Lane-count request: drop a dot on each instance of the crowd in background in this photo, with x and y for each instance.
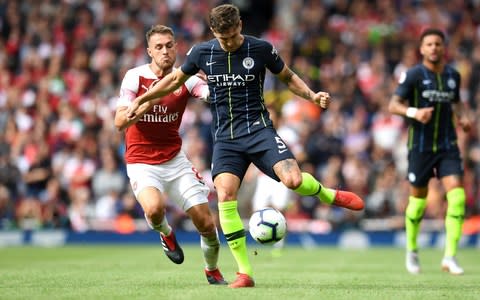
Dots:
(61, 63)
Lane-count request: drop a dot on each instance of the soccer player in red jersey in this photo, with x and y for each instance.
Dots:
(156, 165)
(243, 133)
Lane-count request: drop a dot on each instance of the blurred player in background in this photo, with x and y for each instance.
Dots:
(428, 94)
(156, 165)
(243, 133)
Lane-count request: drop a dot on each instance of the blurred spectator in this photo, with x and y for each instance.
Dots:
(81, 211)
(61, 62)
(10, 175)
(108, 178)
(39, 169)
(29, 213)
(7, 209)
(54, 202)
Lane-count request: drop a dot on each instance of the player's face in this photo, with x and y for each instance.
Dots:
(230, 40)
(432, 48)
(163, 51)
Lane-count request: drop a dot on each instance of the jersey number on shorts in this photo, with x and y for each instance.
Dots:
(281, 145)
(198, 175)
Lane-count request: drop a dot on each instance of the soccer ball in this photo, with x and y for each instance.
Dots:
(267, 226)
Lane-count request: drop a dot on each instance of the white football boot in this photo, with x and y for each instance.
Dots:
(411, 262)
(450, 264)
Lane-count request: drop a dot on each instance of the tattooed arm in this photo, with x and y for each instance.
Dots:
(300, 88)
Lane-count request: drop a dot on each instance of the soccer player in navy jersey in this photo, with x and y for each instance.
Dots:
(428, 95)
(235, 66)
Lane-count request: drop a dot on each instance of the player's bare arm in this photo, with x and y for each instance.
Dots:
(463, 117)
(168, 84)
(121, 120)
(300, 88)
(398, 106)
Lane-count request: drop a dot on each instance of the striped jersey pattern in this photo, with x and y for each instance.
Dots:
(235, 81)
(424, 88)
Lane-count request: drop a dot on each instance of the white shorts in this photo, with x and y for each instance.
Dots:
(270, 192)
(176, 177)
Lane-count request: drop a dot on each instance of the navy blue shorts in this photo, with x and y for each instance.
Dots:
(424, 165)
(263, 148)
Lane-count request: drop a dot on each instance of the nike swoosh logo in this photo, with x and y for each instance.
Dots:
(281, 151)
(209, 63)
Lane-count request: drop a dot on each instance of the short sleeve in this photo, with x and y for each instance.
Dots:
(273, 60)
(406, 83)
(197, 88)
(190, 66)
(128, 89)
(457, 97)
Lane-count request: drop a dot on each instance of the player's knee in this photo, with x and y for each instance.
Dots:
(154, 214)
(415, 209)
(226, 194)
(205, 226)
(456, 202)
(292, 182)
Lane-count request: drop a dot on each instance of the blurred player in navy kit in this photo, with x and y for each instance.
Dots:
(243, 133)
(428, 94)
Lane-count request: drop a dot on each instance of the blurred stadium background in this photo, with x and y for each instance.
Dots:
(62, 175)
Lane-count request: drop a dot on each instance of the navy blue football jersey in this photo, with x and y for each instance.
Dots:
(235, 81)
(424, 88)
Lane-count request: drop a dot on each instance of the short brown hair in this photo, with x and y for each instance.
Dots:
(224, 17)
(161, 29)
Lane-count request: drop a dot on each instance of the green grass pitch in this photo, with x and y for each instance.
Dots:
(144, 272)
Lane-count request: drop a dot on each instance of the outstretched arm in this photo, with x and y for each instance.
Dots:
(121, 120)
(163, 87)
(300, 88)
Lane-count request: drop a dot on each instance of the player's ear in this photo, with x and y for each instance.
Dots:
(149, 52)
(421, 50)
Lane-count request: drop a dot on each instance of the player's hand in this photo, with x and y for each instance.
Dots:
(132, 110)
(465, 123)
(424, 115)
(202, 76)
(322, 99)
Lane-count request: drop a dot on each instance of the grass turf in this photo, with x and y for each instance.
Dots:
(144, 272)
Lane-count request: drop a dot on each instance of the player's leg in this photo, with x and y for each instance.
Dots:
(209, 242)
(455, 210)
(154, 206)
(417, 202)
(420, 170)
(227, 186)
(229, 166)
(187, 188)
(148, 192)
(273, 151)
(309, 186)
(195, 202)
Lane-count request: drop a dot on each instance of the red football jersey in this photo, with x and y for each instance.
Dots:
(154, 139)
